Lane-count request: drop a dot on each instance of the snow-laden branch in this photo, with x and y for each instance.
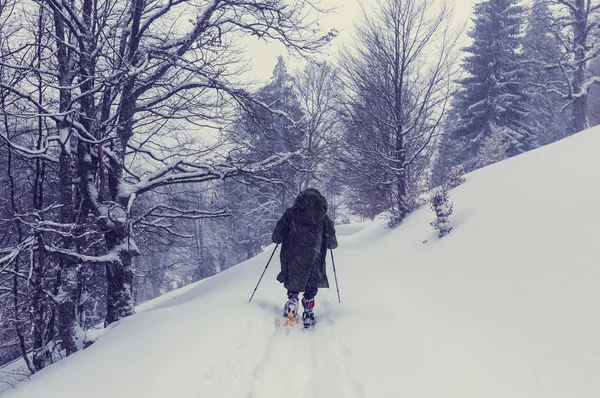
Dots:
(181, 172)
(110, 257)
(163, 211)
(30, 153)
(278, 112)
(586, 87)
(55, 116)
(65, 230)
(12, 255)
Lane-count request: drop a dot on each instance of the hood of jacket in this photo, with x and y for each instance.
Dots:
(310, 208)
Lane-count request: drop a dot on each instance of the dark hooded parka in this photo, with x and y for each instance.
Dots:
(305, 233)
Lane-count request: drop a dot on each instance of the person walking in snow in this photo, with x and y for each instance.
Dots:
(305, 233)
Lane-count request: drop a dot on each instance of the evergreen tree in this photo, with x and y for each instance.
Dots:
(492, 97)
(260, 134)
(442, 206)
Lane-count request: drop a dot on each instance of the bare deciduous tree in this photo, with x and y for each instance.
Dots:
(397, 79)
(577, 30)
(318, 87)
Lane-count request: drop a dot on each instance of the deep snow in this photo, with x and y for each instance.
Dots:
(504, 306)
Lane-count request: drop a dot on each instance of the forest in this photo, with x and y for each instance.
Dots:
(137, 158)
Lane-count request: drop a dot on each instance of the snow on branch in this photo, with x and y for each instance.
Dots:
(29, 153)
(110, 257)
(274, 19)
(55, 116)
(163, 211)
(585, 88)
(181, 172)
(12, 255)
(181, 47)
(278, 112)
(280, 21)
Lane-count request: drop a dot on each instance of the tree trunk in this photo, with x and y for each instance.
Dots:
(13, 194)
(401, 199)
(119, 296)
(68, 325)
(580, 115)
(71, 333)
(41, 354)
(580, 28)
(119, 276)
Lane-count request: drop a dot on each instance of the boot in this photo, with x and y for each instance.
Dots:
(290, 310)
(308, 316)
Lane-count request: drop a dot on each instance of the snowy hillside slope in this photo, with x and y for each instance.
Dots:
(505, 306)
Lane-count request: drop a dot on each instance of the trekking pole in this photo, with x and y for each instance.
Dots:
(265, 270)
(335, 275)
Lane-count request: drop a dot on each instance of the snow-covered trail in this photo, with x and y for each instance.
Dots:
(282, 362)
(309, 364)
(504, 306)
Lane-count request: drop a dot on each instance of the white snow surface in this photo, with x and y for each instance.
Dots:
(506, 305)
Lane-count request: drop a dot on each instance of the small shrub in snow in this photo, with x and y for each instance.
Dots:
(442, 206)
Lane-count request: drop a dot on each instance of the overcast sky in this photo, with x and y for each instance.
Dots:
(347, 13)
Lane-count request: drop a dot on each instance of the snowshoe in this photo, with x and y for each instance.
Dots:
(290, 311)
(308, 316)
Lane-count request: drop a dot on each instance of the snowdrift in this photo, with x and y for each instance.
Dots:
(504, 306)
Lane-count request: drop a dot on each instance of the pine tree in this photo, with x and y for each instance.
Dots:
(442, 206)
(261, 203)
(267, 132)
(492, 96)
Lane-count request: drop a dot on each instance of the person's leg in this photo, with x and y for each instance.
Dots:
(310, 292)
(311, 289)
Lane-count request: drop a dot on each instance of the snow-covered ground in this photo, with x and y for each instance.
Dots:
(505, 306)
